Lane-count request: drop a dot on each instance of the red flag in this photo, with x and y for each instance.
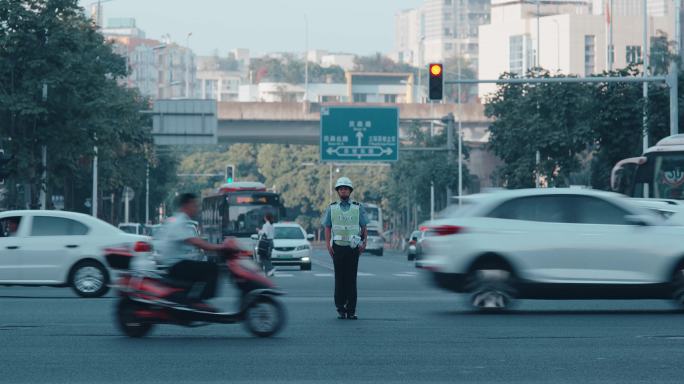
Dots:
(607, 2)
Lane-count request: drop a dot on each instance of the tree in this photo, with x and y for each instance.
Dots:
(380, 63)
(538, 117)
(59, 89)
(291, 70)
(615, 116)
(410, 178)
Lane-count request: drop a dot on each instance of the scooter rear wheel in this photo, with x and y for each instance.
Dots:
(265, 316)
(130, 324)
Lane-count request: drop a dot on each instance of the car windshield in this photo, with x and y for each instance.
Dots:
(288, 233)
(373, 232)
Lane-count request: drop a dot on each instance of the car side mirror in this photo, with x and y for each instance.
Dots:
(639, 220)
(254, 237)
(310, 237)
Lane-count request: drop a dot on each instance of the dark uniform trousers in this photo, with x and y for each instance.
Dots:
(346, 262)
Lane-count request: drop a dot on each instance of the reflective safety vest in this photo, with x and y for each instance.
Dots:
(345, 224)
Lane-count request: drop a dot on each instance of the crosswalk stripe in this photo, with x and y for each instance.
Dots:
(404, 275)
(365, 274)
(323, 274)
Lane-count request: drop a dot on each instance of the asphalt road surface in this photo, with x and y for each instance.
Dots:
(407, 332)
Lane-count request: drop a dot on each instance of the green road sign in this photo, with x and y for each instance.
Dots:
(359, 134)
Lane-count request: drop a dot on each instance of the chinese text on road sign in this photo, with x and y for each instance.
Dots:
(359, 134)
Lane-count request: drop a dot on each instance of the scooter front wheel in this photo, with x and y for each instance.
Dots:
(127, 320)
(265, 316)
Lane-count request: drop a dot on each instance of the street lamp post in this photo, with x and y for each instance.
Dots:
(644, 73)
(306, 59)
(538, 38)
(188, 56)
(94, 198)
(557, 44)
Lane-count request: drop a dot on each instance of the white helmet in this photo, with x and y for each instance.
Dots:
(344, 182)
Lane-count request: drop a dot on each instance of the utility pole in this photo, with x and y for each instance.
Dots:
(306, 59)
(43, 178)
(674, 73)
(450, 148)
(147, 194)
(432, 200)
(94, 198)
(188, 56)
(644, 116)
(538, 37)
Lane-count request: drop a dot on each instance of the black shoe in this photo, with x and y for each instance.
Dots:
(341, 315)
(351, 316)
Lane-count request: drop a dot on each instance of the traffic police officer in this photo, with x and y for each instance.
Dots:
(345, 235)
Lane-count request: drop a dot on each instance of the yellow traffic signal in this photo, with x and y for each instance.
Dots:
(436, 83)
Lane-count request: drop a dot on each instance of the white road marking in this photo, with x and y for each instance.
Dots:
(323, 274)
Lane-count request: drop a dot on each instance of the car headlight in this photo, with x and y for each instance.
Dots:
(302, 248)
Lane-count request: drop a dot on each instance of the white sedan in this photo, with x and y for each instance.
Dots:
(59, 248)
(555, 244)
(291, 246)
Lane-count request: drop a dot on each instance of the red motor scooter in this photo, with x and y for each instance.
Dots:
(146, 297)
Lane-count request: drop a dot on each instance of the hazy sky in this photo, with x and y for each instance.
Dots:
(356, 26)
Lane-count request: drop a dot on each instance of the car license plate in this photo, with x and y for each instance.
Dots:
(284, 256)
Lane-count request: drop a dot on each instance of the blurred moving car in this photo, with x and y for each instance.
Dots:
(60, 248)
(375, 243)
(672, 211)
(291, 246)
(555, 244)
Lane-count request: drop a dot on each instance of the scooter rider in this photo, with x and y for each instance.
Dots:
(345, 235)
(179, 252)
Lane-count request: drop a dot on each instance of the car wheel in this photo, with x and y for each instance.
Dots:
(381, 252)
(305, 267)
(491, 289)
(410, 257)
(130, 324)
(89, 279)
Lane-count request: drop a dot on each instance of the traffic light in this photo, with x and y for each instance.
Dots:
(230, 173)
(436, 83)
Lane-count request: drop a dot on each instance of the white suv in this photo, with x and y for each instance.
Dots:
(61, 248)
(555, 244)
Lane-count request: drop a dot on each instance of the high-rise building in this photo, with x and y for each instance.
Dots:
(159, 69)
(440, 29)
(573, 37)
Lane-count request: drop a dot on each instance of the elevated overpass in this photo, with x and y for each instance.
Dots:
(299, 123)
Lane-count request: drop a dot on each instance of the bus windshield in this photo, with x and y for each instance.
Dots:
(245, 219)
(238, 214)
(668, 175)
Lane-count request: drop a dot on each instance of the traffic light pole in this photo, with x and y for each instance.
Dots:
(94, 198)
(43, 179)
(670, 80)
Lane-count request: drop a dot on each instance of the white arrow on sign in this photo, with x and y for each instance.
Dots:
(331, 150)
(359, 137)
